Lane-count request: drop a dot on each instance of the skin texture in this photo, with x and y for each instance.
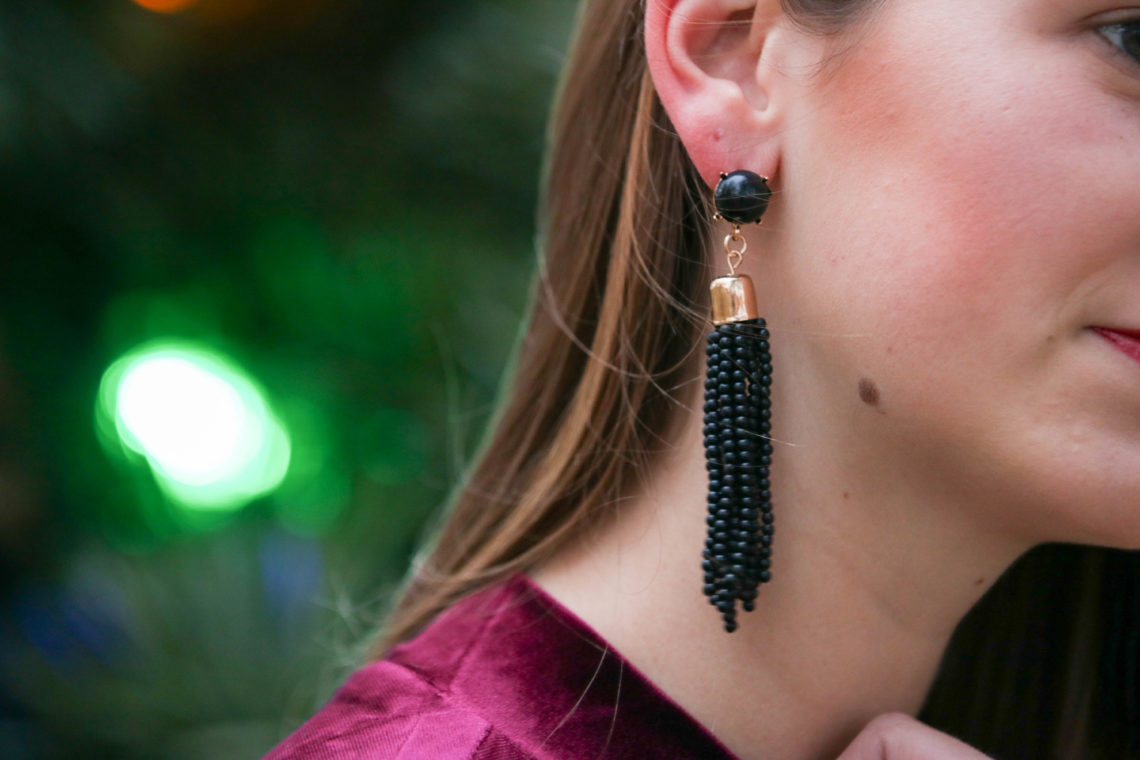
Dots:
(955, 208)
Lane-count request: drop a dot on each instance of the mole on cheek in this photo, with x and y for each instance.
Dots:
(868, 392)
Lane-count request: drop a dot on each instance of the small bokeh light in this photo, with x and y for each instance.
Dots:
(165, 6)
(201, 423)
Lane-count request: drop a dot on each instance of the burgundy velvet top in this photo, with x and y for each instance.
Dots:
(506, 674)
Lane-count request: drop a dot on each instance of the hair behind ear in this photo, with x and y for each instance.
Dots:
(611, 343)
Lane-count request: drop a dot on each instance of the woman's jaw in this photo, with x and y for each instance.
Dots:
(954, 232)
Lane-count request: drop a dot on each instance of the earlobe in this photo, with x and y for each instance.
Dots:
(710, 64)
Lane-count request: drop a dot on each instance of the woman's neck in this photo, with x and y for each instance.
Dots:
(868, 585)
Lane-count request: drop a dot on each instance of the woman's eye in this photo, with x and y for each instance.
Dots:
(1125, 36)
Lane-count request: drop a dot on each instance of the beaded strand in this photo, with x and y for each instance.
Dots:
(738, 455)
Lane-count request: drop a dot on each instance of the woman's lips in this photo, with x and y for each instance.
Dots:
(1128, 341)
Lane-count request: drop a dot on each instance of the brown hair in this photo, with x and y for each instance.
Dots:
(613, 326)
(609, 354)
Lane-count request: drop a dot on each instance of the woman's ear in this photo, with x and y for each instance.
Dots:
(715, 64)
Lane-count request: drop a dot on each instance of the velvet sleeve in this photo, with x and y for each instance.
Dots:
(385, 712)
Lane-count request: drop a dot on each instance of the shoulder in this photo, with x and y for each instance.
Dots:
(506, 673)
(387, 712)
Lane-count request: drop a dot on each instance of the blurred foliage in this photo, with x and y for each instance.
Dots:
(339, 196)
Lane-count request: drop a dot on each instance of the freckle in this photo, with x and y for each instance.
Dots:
(1050, 338)
(980, 581)
(890, 349)
(869, 392)
(846, 495)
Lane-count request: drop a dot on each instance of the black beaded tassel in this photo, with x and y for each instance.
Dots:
(737, 421)
(738, 453)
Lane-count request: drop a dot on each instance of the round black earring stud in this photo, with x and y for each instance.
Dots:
(742, 197)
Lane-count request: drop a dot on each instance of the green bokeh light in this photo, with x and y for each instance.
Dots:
(201, 423)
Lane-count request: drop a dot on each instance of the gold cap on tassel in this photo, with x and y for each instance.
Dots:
(733, 299)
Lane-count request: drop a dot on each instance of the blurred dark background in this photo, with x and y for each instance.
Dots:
(262, 263)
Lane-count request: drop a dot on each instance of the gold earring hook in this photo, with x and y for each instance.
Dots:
(735, 246)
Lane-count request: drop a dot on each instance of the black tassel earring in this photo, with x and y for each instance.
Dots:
(738, 449)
